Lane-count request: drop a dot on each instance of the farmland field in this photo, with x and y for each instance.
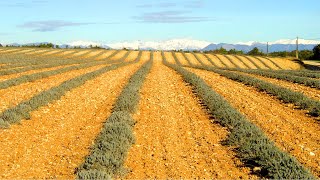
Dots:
(95, 113)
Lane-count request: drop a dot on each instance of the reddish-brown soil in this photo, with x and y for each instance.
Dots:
(292, 130)
(174, 136)
(58, 136)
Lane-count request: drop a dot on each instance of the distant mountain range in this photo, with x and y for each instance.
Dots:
(261, 46)
(190, 44)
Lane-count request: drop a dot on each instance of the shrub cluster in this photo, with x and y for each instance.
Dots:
(284, 94)
(253, 147)
(110, 149)
(314, 83)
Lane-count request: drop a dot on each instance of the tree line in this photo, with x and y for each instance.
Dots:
(303, 54)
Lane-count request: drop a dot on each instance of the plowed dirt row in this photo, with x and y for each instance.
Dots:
(105, 55)
(237, 62)
(182, 59)
(308, 91)
(203, 59)
(226, 61)
(93, 53)
(258, 62)
(174, 135)
(12, 96)
(291, 129)
(10, 76)
(48, 53)
(247, 62)
(132, 56)
(58, 136)
(192, 59)
(25, 51)
(268, 62)
(78, 54)
(169, 57)
(216, 61)
(286, 64)
(35, 51)
(119, 55)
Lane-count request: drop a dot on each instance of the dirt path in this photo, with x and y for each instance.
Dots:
(290, 129)
(175, 138)
(58, 136)
(308, 91)
(12, 96)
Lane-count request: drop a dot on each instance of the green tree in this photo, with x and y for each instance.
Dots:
(316, 52)
(1, 45)
(255, 52)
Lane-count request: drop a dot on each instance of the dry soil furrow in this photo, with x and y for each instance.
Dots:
(24, 51)
(145, 56)
(11, 50)
(12, 96)
(238, 62)
(92, 54)
(193, 59)
(284, 64)
(258, 62)
(119, 55)
(48, 53)
(308, 91)
(10, 76)
(268, 63)
(203, 59)
(247, 62)
(59, 135)
(289, 128)
(78, 54)
(174, 136)
(216, 61)
(35, 51)
(226, 61)
(105, 55)
(182, 59)
(132, 56)
(169, 57)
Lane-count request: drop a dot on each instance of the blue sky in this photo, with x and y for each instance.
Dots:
(62, 21)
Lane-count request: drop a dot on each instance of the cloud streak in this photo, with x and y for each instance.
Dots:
(170, 17)
(52, 25)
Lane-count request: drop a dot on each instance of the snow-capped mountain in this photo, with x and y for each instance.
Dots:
(191, 44)
(174, 44)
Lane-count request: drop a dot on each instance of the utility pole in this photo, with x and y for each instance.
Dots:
(267, 48)
(297, 48)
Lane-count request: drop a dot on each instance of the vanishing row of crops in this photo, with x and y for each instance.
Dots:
(109, 151)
